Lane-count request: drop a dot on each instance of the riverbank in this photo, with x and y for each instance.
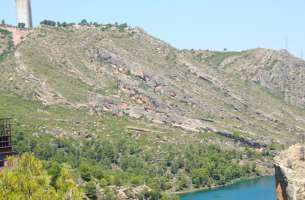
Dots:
(250, 189)
(218, 186)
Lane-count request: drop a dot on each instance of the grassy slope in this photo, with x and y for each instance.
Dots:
(59, 64)
(30, 117)
(6, 43)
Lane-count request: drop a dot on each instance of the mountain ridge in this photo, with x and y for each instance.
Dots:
(254, 94)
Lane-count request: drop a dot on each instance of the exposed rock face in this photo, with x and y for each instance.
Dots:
(290, 174)
(279, 72)
(125, 193)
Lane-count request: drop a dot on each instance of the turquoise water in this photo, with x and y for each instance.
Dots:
(258, 189)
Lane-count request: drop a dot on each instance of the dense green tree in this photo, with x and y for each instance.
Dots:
(109, 194)
(21, 25)
(48, 22)
(85, 171)
(121, 162)
(84, 22)
(182, 181)
(122, 27)
(64, 24)
(90, 189)
(200, 177)
(66, 187)
(26, 178)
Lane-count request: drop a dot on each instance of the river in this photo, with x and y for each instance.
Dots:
(257, 189)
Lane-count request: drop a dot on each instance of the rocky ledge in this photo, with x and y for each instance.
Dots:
(290, 173)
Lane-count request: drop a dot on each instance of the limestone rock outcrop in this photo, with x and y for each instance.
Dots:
(290, 173)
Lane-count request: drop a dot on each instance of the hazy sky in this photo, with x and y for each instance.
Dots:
(198, 24)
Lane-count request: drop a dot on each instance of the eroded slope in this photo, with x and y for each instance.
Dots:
(237, 94)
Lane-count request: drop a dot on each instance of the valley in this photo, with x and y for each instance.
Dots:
(133, 115)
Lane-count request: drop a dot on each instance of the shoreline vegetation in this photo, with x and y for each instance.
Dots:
(203, 189)
(117, 159)
(53, 151)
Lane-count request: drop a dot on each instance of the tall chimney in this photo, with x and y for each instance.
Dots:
(24, 12)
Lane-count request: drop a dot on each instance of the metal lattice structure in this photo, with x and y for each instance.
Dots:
(5, 140)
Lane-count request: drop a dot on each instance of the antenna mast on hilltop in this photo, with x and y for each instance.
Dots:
(24, 13)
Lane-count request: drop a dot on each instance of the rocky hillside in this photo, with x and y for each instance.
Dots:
(254, 97)
(6, 43)
(289, 173)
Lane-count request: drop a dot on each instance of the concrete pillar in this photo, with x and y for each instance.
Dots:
(24, 12)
